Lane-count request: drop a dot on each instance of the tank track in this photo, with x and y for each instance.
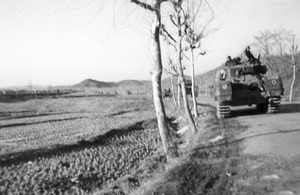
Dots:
(223, 110)
(273, 105)
(261, 107)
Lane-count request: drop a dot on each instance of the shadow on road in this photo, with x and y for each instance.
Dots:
(285, 108)
(290, 108)
(264, 134)
(245, 111)
(236, 141)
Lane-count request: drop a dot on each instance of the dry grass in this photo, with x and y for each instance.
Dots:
(106, 145)
(202, 165)
(43, 123)
(75, 145)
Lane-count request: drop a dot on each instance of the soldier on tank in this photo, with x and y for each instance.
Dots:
(247, 56)
(233, 62)
(229, 61)
(237, 60)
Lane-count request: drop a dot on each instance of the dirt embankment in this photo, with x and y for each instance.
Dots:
(206, 164)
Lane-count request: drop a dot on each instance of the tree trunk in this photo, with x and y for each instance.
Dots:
(182, 83)
(156, 74)
(293, 83)
(173, 94)
(186, 104)
(193, 83)
(179, 94)
(293, 63)
(286, 69)
(180, 68)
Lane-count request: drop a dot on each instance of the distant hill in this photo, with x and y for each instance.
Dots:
(132, 83)
(90, 83)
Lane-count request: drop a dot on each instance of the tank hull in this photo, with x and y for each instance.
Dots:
(245, 84)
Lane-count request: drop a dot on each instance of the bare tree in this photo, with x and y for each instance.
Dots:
(189, 32)
(282, 38)
(264, 43)
(179, 20)
(286, 49)
(172, 69)
(156, 73)
(172, 72)
(194, 33)
(294, 51)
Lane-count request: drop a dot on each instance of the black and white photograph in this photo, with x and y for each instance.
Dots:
(149, 97)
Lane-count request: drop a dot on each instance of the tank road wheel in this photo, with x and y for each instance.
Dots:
(273, 105)
(223, 110)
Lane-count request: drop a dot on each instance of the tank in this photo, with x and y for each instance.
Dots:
(188, 88)
(167, 93)
(247, 84)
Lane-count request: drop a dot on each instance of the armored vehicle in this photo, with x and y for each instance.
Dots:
(167, 93)
(247, 84)
(188, 88)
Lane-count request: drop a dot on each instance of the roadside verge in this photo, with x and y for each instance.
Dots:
(206, 165)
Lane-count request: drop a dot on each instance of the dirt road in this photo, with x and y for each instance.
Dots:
(274, 134)
(268, 160)
(269, 151)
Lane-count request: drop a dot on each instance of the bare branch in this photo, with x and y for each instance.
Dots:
(202, 53)
(264, 42)
(171, 73)
(167, 33)
(143, 5)
(210, 8)
(195, 14)
(172, 20)
(172, 70)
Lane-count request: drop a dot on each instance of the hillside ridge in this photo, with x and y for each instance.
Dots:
(91, 83)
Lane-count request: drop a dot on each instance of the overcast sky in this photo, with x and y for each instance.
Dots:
(62, 42)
